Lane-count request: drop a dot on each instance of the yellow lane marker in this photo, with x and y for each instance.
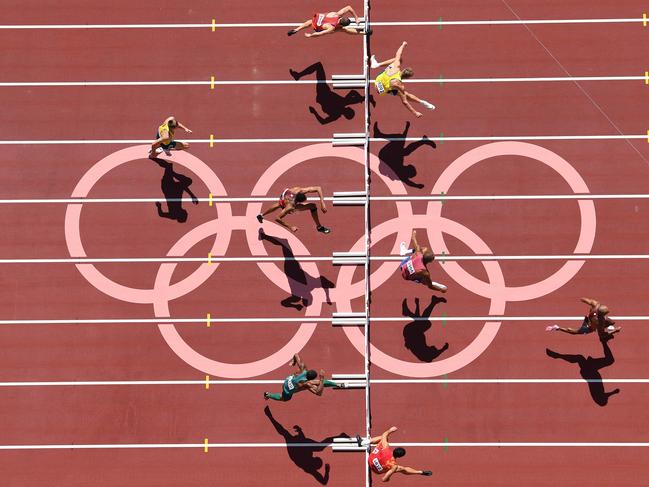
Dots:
(209, 258)
(212, 83)
(644, 20)
(207, 382)
(211, 140)
(646, 77)
(213, 25)
(206, 443)
(209, 320)
(210, 203)
(647, 135)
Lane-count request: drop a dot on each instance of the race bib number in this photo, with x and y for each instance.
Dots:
(379, 87)
(321, 18)
(410, 266)
(377, 464)
(289, 383)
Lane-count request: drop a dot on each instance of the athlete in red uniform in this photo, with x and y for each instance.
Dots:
(329, 22)
(413, 267)
(382, 458)
(292, 200)
(596, 320)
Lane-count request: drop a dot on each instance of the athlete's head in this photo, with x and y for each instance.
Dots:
(181, 216)
(345, 21)
(407, 73)
(300, 197)
(428, 257)
(311, 374)
(603, 310)
(398, 452)
(173, 123)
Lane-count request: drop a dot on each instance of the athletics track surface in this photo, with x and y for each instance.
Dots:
(552, 425)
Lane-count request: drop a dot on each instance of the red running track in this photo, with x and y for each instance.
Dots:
(553, 412)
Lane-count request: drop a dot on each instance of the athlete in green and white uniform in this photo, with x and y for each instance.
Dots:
(302, 380)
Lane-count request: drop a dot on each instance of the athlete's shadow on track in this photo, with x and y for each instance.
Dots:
(589, 368)
(301, 283)
(414, 333)
(303, 456)
(394, 153)
(333, 105)
(173, 186)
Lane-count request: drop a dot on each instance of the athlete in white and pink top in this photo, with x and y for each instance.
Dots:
(413, 267)
(330, 22)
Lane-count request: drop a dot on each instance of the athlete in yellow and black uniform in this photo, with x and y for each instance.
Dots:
(389, 81)
(165, 138)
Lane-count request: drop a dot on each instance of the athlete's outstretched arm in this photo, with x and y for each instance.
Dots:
(404, 99)
(317, 189)
(399, 55)
(390, 473)
(413, 242)
(347, 9)
(303, 25)
(319, 386)
(384, 437)
(590, 302)
(297, 361)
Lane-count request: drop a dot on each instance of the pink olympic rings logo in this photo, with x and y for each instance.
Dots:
(225, 223)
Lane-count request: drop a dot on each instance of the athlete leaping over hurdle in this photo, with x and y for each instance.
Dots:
(389, 81)
(413, 267)
(330, 23)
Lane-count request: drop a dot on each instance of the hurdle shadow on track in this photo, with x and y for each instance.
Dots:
(303, 456)
(414, 333)
(301, 283)
(333, 105)
(589, 368)
(394, 153)
(173, 186)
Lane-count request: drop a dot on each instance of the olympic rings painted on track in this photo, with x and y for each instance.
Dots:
(222, 226)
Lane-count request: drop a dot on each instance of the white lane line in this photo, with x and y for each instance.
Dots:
(216, 199)
(306, 140)
(305, 319)
(217, 382)
(310, 258)
(109, 446)
(436, 23)
(37, 84)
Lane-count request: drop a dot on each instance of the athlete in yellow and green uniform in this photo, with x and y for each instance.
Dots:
(390, 81)
(165, 138)
(302, 380)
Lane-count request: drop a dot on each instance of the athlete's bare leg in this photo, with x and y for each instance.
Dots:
(410, 471)
(313, 209)
(305, 25)
(271, 209)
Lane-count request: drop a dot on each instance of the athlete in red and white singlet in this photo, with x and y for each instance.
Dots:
(382, 458)
(320, 19)
(414, 266)
(324, 23)
(294, 199)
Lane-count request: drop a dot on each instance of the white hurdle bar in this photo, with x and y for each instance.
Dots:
(348, 319)
(353, 139)
(348, 258)
(349, 198)
(348, 81)
(342, 444)
(350, 377)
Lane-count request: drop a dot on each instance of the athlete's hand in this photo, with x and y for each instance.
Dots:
(418, 114)
(393, 429)
(293, 229)
(323, 207)
(307, 35)
(188, 131)
(404, 43)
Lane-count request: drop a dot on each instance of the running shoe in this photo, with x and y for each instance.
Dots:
(552, 328)
(266, 395)
(166, 151)
(427, 473)
(373, 62)
(428, 105)
(291, 32)
(324, 230)
(403, 250)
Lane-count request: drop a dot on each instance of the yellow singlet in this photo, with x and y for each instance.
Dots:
(165, 126)
(382, 82)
